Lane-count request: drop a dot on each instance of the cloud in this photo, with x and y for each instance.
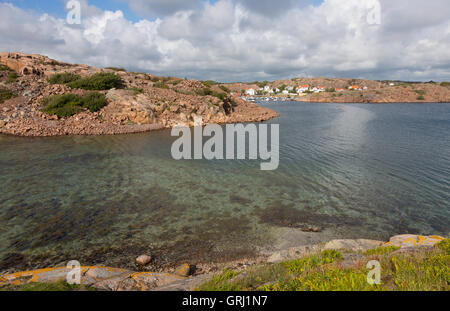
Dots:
(232, 41)
(158, 8)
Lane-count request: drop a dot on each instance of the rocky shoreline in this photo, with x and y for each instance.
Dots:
(188, 277)
(142, 103)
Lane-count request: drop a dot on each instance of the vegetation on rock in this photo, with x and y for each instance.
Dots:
(98, 81)
(116, 69)
(68, 105)
(63, 78)
(136, 90)
(12, 77)
(5, 94)
(210, 92)
(4, 68)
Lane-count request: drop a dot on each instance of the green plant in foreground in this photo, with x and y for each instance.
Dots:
(68, 105)
(61, 286)
(381, 250)
(63, 78)
(422, 269)
(98, 81)
(301, 265)
(220, 282)
(444, 246)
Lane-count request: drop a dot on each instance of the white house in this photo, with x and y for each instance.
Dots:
(302, 88)
(266, 88)
(285, 92)
(250, 92)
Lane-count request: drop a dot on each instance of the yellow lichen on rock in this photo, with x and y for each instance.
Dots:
(410, 240)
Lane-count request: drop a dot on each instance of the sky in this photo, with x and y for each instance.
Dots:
(240, 40)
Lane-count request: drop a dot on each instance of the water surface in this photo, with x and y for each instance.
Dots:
(356, 171)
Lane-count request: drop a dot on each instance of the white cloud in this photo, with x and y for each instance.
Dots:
(228, 40)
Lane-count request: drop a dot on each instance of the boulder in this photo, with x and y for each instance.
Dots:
(411, 240)
(185, 270)
(356, 245)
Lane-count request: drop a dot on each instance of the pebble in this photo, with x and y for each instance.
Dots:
(143, 260)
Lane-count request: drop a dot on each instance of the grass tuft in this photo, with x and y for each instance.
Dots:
(381, 250)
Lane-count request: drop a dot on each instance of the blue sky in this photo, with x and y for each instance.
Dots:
(56, 7)
(240, 40)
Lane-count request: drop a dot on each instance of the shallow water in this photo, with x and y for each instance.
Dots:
(358, 171)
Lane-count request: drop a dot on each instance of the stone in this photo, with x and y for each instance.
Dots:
(2, 123)
(185, 270)
(143, 260)
(356, 245)
(293, 253)
(411, 240)
(311, 229)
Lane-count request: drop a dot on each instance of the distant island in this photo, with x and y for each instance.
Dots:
(40, 96)
(327, 90)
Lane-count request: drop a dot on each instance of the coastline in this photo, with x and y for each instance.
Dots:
(187, 277)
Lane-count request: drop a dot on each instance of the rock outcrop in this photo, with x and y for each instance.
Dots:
(143, 103)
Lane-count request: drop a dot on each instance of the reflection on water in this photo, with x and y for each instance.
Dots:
(354, 170)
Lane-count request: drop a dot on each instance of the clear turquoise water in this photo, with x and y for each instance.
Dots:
(357, 171)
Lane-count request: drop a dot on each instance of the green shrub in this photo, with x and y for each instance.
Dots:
(98, 81)
(63, 78)
(94, 101)
(330, 90)
(209, 83)
(209, 92)
(68, 105)
(12, 77)
(4, 68)
(5, 94)
(224, 88)
(116, 69)
(446, 84)
(420, 97)
(420, 92)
